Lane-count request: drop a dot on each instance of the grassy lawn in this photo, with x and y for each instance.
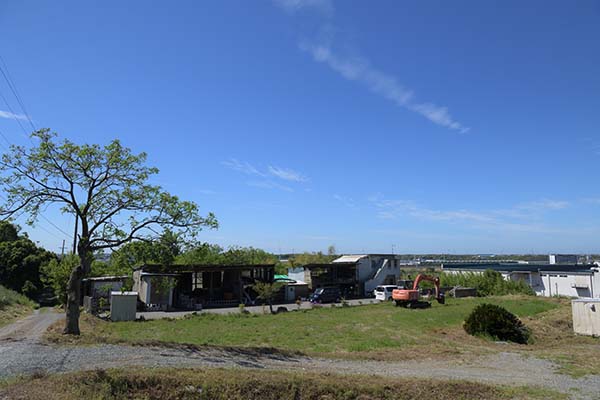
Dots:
(13, 306)
(370, 330)
(380, 332)
(170, 384)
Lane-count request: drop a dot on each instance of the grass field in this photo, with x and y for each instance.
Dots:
(13, 306)
(170, 384)
(380, 332)
(325, 331)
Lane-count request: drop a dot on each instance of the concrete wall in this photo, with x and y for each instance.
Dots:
(368, 266)
(364, 269)
(570, 285)
(141, 286)
(381, 274)
(586, 316)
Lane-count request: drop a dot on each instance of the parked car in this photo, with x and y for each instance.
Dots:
(326, 295)
(384, 292)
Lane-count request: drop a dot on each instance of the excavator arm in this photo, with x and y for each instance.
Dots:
(436, 282)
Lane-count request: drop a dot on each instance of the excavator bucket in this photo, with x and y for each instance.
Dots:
(441, 299)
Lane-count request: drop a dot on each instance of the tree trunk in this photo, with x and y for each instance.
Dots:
(72, 307)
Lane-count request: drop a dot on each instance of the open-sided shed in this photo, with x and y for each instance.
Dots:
(198, 286)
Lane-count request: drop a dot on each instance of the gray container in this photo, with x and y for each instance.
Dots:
(123, 306)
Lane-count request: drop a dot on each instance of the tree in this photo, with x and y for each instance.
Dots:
(106, 188)
(331, 251)
(20, 261)
(162, 251)
(267, 292)
(248, 255)
(311, 258)
(56, 275)
(202, 253)
(8, 232)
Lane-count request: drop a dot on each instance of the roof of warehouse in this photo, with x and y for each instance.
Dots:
(518, 267)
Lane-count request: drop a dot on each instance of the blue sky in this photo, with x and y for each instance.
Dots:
(432, 126)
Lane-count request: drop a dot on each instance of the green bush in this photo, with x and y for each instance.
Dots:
(496, 322)
(9, 297)
(56, 275)
(488, 283)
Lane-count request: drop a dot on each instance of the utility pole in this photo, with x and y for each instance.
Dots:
(75, 235)
(62, 252)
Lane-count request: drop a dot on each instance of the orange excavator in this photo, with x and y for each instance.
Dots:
(410, 298)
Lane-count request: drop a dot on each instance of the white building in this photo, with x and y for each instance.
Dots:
(569, 280)
(355, 274)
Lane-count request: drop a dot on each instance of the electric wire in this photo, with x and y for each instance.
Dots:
(15, 92)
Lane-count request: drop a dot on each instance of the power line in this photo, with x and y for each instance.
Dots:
(41, 226)
(14, 114)
(6, 140)
(14, 90)
(54, 225)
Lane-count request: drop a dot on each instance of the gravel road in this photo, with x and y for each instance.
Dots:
(21, 352)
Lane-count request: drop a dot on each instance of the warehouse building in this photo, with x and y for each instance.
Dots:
(571, 280)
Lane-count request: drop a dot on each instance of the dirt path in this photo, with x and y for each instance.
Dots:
(29, 329)
(21, 352)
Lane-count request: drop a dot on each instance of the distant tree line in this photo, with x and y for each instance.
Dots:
(21, 261)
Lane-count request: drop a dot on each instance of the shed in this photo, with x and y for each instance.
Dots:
(199, 286)
(586, 316)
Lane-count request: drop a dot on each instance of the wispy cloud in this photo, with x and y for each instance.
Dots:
(347, 201)
(293, 6)
(9, 115)
(269, 185)
(359, 70)
(593, 144)
(287, 174)
(532, 210)
(242, 167)
(521, 217)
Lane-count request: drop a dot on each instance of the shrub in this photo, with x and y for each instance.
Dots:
(496, 322)
(9, 297)
(488, 283)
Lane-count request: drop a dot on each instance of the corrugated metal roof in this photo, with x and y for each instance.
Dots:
(352, 258)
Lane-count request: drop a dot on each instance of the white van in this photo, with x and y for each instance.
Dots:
(384, 292)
